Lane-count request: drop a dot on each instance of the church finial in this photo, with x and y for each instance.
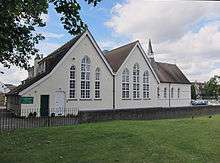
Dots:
(150, 52)
(150, 49)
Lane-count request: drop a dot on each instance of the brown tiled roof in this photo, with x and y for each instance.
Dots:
(117, 56)
(51, 61)
(169, 73)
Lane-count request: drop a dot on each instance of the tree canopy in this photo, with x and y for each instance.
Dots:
(193, 92)
(19, 19)
(212, 87)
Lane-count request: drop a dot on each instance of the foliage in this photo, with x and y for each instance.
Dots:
(19, 20)
(182, 140)
(193, 92)
(212, 87)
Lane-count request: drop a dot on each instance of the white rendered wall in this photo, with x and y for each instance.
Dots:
(136, 57)
(59, 81)
(183, 100)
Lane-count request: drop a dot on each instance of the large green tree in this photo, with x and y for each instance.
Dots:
(193, 92)
(212, 87)
(19, 19)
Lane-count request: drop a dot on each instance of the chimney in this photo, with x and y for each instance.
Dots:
(36, 65)
(150, 52)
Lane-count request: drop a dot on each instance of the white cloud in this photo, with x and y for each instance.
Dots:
(49, 35)
(182, 32)
(14, 75)
(47, 47)
(197, 54)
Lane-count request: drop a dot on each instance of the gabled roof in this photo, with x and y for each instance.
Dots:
(165, 72)
(169, 73)
(51, 61)
(117, 56)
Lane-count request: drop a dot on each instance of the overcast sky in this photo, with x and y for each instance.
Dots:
(186, 33)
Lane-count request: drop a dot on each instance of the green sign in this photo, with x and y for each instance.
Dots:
(27, 100)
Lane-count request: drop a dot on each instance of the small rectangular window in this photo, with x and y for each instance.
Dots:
(178, 93)
(165, 92)
(158, 92)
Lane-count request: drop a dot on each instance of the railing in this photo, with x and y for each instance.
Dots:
(33, 118)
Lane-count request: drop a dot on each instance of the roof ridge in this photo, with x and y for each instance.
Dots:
(122, 46)
(167, 63)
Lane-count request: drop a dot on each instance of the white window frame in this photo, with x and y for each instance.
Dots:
(97, 83)
(72, 82)
(85, 78)
(125, 87)
(136, 81)
(146, 86)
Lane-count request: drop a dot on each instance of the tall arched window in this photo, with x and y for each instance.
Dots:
(172, 92)
(125, 84)
(97, 83)
(136, 81)
(85, 78)
(72, 84)
(146, 87)
(178, 93)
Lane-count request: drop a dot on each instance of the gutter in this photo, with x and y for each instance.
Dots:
(113, 92)
(169, 94)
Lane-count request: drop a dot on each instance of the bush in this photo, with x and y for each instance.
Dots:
(30, 115)
(52, 114)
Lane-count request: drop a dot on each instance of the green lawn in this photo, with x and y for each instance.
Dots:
(182, 140)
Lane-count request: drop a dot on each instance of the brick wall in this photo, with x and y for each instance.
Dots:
(147, 114)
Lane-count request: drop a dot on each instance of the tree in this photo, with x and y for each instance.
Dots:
(19, 18)
(193, 92)
(212, 88)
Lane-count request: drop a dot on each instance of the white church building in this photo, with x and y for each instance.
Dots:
(80, 76)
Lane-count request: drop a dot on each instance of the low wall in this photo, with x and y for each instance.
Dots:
(146, 113)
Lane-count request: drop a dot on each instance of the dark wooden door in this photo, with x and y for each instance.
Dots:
(44, 105)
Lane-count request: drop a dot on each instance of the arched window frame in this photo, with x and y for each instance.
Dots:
(136, 81)
(72, 82)
(146, 86)
(85, 78)
(125, 84)
(97, 83)
(172, 92)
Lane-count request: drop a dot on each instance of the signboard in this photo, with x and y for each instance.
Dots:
(27, 100)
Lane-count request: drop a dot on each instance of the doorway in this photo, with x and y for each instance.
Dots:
(44, 105)
(59, 102)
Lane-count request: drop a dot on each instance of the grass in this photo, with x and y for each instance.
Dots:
(182, 140)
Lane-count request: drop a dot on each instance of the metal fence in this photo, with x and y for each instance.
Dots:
(31, 118)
